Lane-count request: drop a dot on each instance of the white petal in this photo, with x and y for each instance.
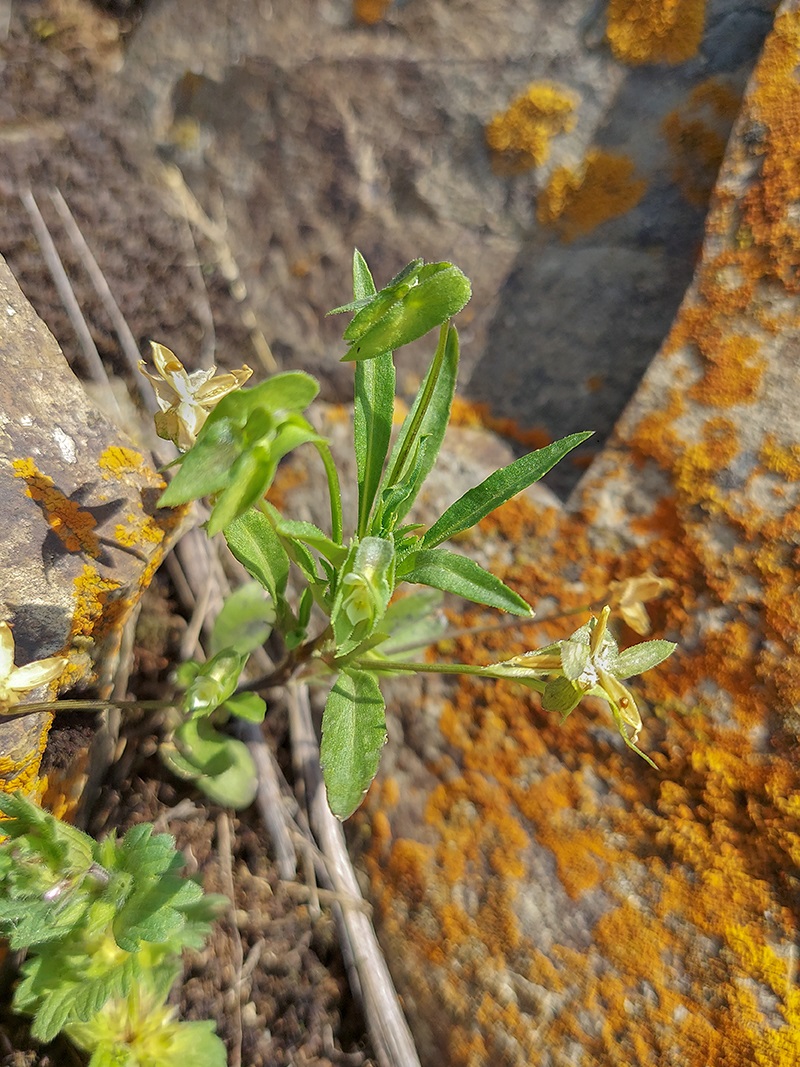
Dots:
(40, 672)
(6, 651)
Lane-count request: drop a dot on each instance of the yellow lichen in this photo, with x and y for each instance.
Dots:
(655, 31)
(779, 459)
(520, 136)
(116, 461)
(697, 134)
(575, 202)
(768, 208)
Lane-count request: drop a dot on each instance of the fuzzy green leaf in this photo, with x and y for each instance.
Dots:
(254, 542)
(562, 696)
(575, 658)
(462, 576)
(407, 311)
(364, 588)
(499, 487)
(374, 406)
(244, 622)
(427, 419)
(353, 734)
(642, 657)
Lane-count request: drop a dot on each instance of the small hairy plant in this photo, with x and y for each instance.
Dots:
(103, 924)
(349, 575)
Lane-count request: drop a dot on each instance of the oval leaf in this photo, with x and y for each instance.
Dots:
(353, 734)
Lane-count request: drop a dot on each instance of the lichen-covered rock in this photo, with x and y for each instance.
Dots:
(81, 534)
(552, 900)
(562, 155)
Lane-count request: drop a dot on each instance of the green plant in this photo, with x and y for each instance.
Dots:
(104, 924)
(348, 580)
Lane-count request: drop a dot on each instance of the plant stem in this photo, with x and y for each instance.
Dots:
(492, 671)
(289, 666)
(424, 402)
(85, 705)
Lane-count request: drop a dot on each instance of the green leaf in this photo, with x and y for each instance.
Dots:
(249, 479)
(311, 535)
(407, 309)
(254, 542)
(193, 1043)
(499, 487)
(220, 766)
(428, 419)
(562, 696)
(642, 657)
(265, 419)
(248, 706)
(206, 467)
(457, 574)
(244, 622)
(214, 682)
(397, 498)
(414, 621)
(372, 428)
(353, 734)
(364, 287)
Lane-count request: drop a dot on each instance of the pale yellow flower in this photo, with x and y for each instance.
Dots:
(15, 682)
(186, 398)
(629, 596)
(589, 663)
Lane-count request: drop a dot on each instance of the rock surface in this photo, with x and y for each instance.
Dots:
(81, 531)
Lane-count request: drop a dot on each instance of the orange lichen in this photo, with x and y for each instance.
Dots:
(575, 202)
(767, 207)
(470, 413)
(732, 374)
(73, 525)
(697, 134)
(96, 608)
(655, 31)
(370, 12)
(520, 136)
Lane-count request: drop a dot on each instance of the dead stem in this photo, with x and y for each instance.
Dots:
(386, 1024)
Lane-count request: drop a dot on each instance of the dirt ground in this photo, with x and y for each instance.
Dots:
(272, 975)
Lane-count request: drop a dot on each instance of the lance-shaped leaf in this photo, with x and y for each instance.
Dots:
(373, 410)
(427, 420)
(499, 487)
(642, 657)
(353, 734)
(462, 576)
